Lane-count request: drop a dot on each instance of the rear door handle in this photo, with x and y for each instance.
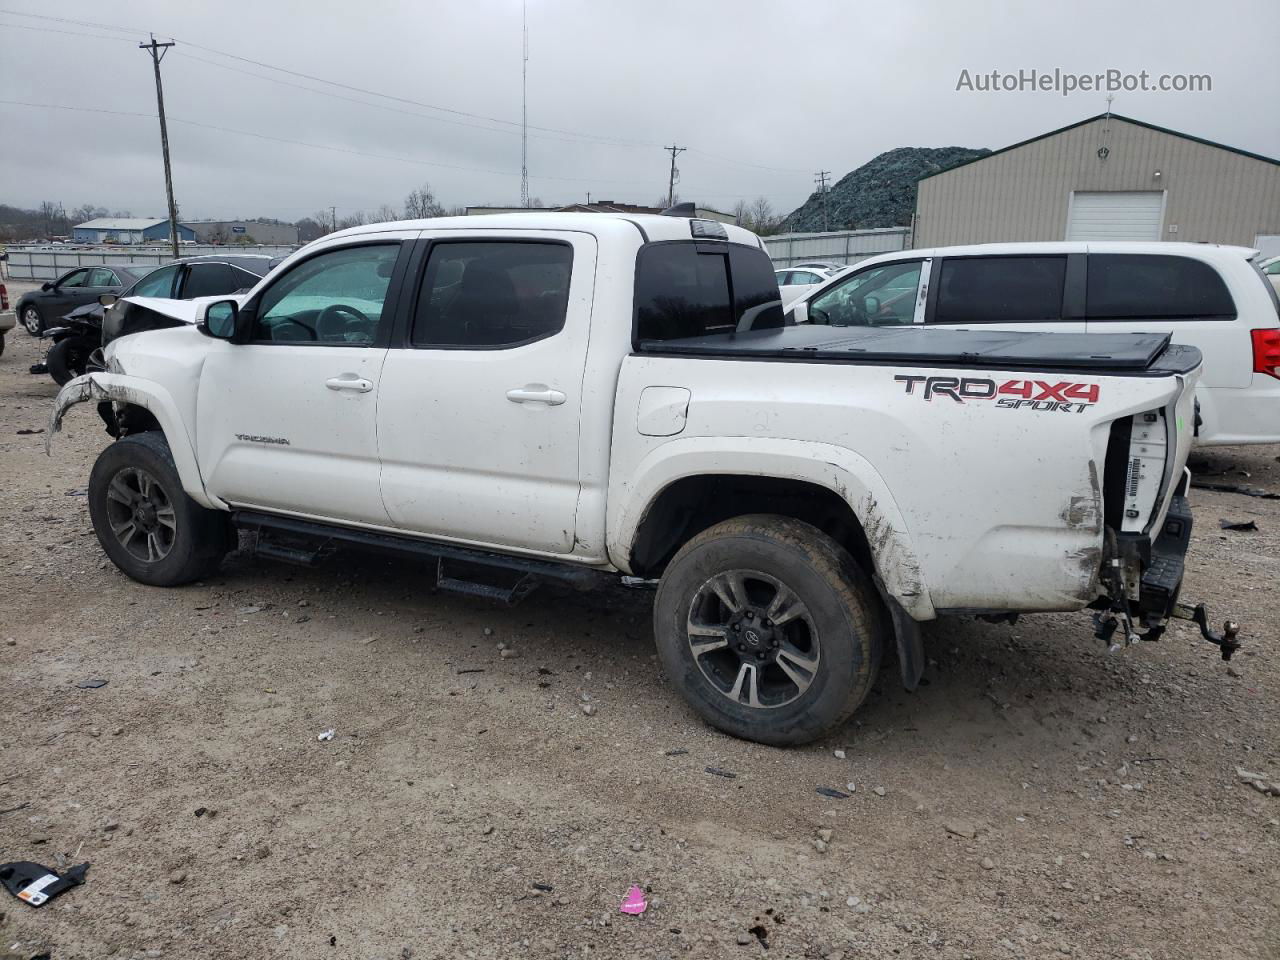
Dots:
(536, 393)
(349, 382)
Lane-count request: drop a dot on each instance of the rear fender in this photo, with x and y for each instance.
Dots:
(121, 390)
(840, 470)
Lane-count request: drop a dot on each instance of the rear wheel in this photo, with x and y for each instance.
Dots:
(769, 629)
(145, 522)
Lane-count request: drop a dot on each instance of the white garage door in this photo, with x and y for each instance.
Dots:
(1115, 215)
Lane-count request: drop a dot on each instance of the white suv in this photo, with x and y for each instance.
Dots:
(1212, 297)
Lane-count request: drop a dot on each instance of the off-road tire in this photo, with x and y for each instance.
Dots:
(841, 603)
(200, 537)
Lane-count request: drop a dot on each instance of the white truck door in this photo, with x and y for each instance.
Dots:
(478, 415)
(287, 420)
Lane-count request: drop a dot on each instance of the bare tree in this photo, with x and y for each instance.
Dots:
(422, 203)
(742, 213)
(50, 216)
(356, 219)
(312, 228)
(661, 202)
(385, 214)
(86, 212)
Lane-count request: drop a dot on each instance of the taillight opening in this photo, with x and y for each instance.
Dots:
(1266, 351)
(4, 297)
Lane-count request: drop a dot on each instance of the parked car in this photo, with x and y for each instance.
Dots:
(562, 395)
(40, 308)
(8, 320)
(1212, 297)
(1271, 270)
(795, 282)
(829, 265)
(83, 330)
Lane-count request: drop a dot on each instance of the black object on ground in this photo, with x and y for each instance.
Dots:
(834, 794)
(91, 684)
(717, 772)
(1247, 525)
(35, 884)
(1235, 488)
(677, 752)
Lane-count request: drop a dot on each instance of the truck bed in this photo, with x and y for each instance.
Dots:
(1100, 353)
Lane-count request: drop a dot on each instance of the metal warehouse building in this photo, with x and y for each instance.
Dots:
(1105, 178)
(127, 230)
(243, 231)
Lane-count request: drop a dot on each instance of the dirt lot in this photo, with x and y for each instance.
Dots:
(1038, 798)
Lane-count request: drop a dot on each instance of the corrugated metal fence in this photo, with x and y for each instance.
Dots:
(50, 262)
(841, 246)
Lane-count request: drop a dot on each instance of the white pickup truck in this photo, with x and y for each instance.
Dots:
(549, 395)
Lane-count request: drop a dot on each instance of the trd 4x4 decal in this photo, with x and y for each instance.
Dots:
(1065, 396)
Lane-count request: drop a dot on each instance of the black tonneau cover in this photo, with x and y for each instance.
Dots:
(944, 346)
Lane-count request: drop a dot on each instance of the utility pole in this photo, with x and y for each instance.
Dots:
(333, 215)
(820, 178)
(157, 51)
(524, 109)
(671, 182)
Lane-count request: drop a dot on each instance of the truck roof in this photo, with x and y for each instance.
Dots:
(1212, 252)
(651, 226)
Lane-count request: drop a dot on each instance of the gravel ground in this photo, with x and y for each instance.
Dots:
(1038, 798)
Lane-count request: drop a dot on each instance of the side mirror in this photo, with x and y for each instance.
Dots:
(799, 312)
(46, 286)
(108, 299)
(219, 320)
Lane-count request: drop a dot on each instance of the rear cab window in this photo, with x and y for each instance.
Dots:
(1124, 286)
(693, 289)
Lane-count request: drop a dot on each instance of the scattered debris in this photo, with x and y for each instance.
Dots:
(508, 653)
(369, 640)
(960, 828)
(28, 432)
(21, 806)
(635, 902)
(839, 754)
(544, 887)
(462, 670)
(1244, 525)
(987, 863)
(326, 735)
(589, 709)
(37, 885)
(91, 684)
(677, 752)
(245, 611)
(717, 772)
(879, 791)
(1235, 488)
(833, 794)
(178, 876)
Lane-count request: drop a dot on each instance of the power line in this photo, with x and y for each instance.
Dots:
(314, 146)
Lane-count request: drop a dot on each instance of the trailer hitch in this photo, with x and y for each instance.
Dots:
(1226, 641)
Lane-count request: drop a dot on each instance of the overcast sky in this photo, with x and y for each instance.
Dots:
(762, 94)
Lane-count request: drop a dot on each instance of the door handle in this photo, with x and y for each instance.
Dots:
(536, 393)
(347, 382)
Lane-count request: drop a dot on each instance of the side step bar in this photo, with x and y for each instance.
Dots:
(306, 543)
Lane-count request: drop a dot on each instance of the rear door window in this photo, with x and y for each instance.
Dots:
(491, 294)
(1125, 286)
(1000, 289)
(209, 280)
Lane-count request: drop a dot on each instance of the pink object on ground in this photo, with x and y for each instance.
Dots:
(635, 903)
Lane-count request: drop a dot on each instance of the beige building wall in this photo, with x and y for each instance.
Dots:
(1211, 194)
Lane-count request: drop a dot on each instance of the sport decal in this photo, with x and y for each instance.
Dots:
(1064, 397)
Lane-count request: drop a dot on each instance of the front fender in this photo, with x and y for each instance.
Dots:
(121, 389)
(840, 470)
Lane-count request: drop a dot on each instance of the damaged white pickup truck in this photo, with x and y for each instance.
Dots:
(567, 395)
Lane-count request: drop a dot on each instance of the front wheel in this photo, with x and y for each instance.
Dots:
(145, 522)
(769, 629)
(31, 320)
(68, 359)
